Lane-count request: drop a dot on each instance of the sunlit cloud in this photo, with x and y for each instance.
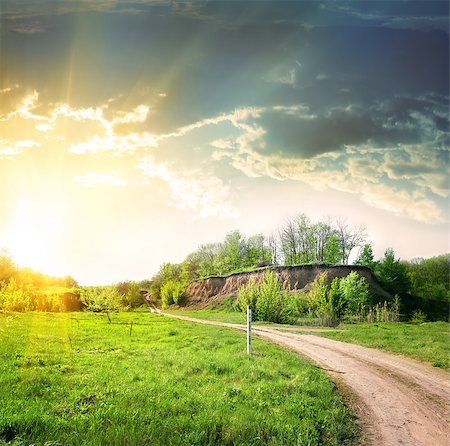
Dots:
(8, 89)
(396, 176)
(204, 196)
(44, 127)
(25, 109)
(9, 149)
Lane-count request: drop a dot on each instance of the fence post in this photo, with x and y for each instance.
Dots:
(249, 330)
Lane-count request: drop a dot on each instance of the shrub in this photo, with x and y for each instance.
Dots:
(248, 296)
(324, 302)
(418, 317)
(385, 312)
(355, 293)
(101, 299)
(269, 301)
(172, 292)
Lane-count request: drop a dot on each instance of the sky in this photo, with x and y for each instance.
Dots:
(131, 132)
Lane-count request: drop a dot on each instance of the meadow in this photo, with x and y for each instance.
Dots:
(427, 341)
(79, 379)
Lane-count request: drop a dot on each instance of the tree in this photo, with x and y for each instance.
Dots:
(289, 243)
(365, 257)
(255, 251)
(273, 244)
(7, 267)
(332, 253)
(392, 274)
(349, 238)
(354, 290)
(430, 277)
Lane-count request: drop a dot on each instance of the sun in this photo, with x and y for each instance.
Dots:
(33, 234)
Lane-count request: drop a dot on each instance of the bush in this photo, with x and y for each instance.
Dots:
(325, 303)
(269, 301)
(103, 299)
(172, 293)
(355, 294)
(418, 317)
(385, 312)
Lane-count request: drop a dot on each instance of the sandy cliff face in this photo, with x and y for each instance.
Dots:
(200, 293)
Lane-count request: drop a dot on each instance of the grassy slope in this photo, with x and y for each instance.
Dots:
(428, 342)
(74, 379)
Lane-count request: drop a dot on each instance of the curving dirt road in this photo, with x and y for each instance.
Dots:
(399, 401)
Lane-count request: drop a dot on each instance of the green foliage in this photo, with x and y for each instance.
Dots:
(430, 277)
(355, 293)
(172, 292)
(103, 299)
(332, 253)
(130, 295)
(248, 296)
(393, 274)
(386, 312)
(168, 272)
(366, 257)
(269, 301)
(418, 317)
(324, 302)
(22, 289)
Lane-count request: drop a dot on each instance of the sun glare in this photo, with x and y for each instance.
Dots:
(32, 235)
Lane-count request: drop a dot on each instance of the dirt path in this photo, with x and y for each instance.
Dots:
(399, 401)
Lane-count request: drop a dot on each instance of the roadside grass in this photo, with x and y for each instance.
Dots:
(76, 379)
(233, 317)
(238, 317)
(429, 341)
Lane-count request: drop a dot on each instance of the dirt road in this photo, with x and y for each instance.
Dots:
(398, 400)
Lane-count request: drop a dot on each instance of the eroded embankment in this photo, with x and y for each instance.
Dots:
(201, 292)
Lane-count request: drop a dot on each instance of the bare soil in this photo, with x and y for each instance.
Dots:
(399, 401)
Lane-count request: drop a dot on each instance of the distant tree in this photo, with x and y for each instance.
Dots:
(289, 243)
(392, 274)
(430, 277)
(70, 282)
(256, 251)
(321, 233)
(7, 267)
(349, 238)
(332, 254)
(273, 244)
(365, 257)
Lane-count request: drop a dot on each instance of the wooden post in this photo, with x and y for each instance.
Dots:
(249, 330)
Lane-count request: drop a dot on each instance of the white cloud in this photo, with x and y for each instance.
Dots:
(205, 196)
(9, 149)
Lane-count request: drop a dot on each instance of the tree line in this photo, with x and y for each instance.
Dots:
(302, 241)
(23, 289)
(298, 241)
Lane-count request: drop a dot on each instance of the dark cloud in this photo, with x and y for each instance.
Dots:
(212, 57)
(398, 121)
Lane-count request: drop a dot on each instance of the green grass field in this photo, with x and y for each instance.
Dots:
(429, 341)
(234, 317)
(76, 379)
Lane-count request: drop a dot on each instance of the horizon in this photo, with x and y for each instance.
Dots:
(133, 132)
